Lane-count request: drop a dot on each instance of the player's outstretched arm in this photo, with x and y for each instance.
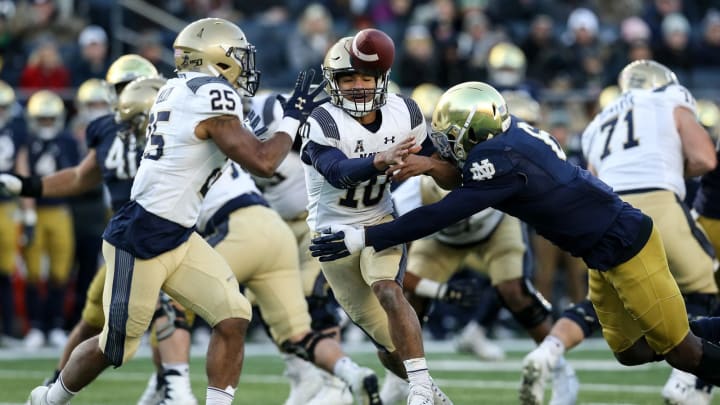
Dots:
(698, 150)
(64, 183)
(446, 174)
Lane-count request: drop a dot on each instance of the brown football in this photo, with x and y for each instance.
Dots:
(372, 50)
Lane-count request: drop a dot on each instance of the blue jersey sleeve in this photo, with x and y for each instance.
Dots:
(338, 169)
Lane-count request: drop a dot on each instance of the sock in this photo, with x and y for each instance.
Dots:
(417, 371)
(58, 394)
(181, 368)
(553, 345)
(6, 304)
(345, 368)
(706, 328)
(217, 396)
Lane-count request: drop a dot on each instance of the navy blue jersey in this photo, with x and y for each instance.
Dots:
(49, 156)
(707, 199)
(117, 154)
(523, 173)
(12, 138)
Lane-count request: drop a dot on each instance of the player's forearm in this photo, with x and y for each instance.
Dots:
(445, 174)
(269, 155)
(69, 182)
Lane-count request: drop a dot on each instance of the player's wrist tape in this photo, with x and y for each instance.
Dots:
(289, 125)
(429, 288)
(31, 186)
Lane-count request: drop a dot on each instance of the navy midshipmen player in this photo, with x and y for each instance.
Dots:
(150, 243)
(350, 142)
(521, 170)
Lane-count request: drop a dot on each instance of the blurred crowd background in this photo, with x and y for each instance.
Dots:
(564, 53)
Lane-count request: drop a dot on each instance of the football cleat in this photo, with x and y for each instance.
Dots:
(420, 395)
(154, 391)
(535, 374)
(439, 397)
(681, 389)
(473, 340)
(38, 396)
(334, 391)
(565, 384)
(365, 387)
(306, 381)
(35, 339)
(177, 389)
(394, 389)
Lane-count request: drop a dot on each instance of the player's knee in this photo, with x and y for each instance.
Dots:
(528, 307)
(323, 313)
(231, 328)
(305, 347)
(389, 293)
(584, 315)
(168, 318)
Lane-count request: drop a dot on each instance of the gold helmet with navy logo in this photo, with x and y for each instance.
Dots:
(134, 103)
(708, 115)
(645, 74)
(219, 48)
(466, 115)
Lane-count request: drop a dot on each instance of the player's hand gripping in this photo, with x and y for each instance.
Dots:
(395, 156)
(339, 241)
(464, 293)
(302, 101)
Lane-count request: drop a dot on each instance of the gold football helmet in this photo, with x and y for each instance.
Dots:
(709, 116)
(45, 114)
(607, 96)
(523, 106)
(506, 65)
(426, 96)
(135, 101)
(645, 74)
(128, 68)
(336, 64)
(93, 99)
(7, 99)
(467, 114)
(219, 48)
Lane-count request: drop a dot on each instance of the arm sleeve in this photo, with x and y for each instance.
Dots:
(340, 171)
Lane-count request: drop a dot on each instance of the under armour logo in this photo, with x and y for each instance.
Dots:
(300, 103)
(483, 170)
(389, 140)
(359, 147)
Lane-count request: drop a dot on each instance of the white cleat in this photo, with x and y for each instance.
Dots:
(535, 374)
(365, 387)
(306, 380)
(439, 397)
(57, 338)
(154, 391)
(420, 395)
(38, 396)
(177, 388)
(681, 388)
(394, 389)
(334, 391)
(474, 340)
(565, 385)
(35, 339)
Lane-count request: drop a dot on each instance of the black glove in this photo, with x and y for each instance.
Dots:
(302, 101)
(464, 293)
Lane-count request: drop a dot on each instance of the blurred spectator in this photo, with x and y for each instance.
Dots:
(445, 27)
(676, 51)
(149, 45)
(474, 43)
(614, 12)
(45, 68)
(542, 50)
(516, 15)
(38, 19)
(634, 34)
(587, 56)
(417, 62)
(708, 50)
(314, 35)
(656, 11)
(12, 58)
(392, 17)
(93, 60)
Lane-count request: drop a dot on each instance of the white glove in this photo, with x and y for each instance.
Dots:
(10, 185)
(354, 237)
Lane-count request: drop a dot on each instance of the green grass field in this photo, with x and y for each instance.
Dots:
(466, 380)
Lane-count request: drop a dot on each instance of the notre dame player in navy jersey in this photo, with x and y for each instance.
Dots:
(520, 170)
(13, 154)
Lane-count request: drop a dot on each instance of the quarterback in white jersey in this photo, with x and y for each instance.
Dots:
(643, 145)
(349, 144)
(150, 242)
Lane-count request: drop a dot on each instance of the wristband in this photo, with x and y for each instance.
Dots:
(290, 126)
(31, 186)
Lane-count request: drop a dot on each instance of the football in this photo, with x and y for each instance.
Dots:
(372, 50)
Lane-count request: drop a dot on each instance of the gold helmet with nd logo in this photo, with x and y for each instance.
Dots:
(45, 114)
(219, 48)
(466, 115)
(506, 65)
(93, 99)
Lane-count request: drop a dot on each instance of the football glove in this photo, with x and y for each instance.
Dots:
(10, 185)
(302, 100)
(337, 242)
(465, 293)
(29, 219)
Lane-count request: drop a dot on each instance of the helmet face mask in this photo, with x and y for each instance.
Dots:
(645, 74)
(219, 48)
(465, 116)
(357, 102)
